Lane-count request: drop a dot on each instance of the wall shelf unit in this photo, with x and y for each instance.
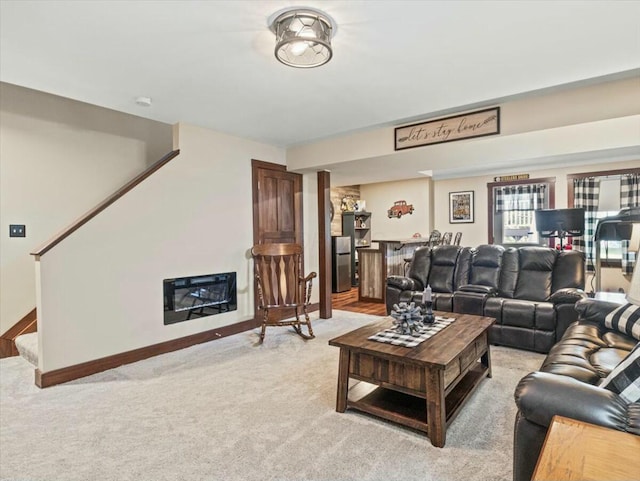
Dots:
(356, 225)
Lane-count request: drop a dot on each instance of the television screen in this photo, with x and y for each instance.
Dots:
(557, 222)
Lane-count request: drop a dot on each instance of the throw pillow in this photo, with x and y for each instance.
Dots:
(625, 377)
(625, 319)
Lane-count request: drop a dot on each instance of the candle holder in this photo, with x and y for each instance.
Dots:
(428, 317)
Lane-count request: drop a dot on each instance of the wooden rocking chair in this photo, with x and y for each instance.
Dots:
(281, 286)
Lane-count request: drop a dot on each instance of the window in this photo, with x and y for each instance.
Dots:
(512, 207)
(600, 194)
(609, 250)
(608, 205)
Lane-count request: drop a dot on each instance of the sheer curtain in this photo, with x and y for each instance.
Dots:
(629, 197)
(586, 192)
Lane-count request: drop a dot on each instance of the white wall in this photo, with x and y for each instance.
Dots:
(58, 159)
(101, 288)
(381, 196)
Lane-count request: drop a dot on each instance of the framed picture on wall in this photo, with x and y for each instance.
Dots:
(461, 207)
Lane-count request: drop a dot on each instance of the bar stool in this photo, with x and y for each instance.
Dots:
(434, 238)
(407, 264)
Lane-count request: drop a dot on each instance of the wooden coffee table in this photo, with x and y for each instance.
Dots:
(422, 387)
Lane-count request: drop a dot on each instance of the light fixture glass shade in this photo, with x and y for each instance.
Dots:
(303, 38)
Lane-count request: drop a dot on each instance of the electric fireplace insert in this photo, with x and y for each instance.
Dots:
(198, 296)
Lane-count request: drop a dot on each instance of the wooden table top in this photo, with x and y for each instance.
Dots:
(574, 450)
(439, 350)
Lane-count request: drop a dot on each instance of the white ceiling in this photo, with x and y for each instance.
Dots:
(211, 63)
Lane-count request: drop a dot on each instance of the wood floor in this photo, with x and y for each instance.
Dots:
(348, 301)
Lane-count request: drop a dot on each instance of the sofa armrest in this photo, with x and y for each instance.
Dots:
(404, 283)
(568, 295)
(595, 311)
(542, 395)
(478, 289)
(469, 302)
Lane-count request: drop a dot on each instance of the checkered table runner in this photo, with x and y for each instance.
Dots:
(390, 336)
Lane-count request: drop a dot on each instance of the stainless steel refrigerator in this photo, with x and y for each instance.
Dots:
(340, 263)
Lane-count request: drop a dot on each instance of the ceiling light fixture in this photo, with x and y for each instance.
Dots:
(303, 37)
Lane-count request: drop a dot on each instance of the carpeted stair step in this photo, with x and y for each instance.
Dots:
(27, 345)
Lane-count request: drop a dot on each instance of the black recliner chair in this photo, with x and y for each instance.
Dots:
(444, 268)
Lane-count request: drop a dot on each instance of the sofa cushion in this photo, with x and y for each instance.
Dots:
(443, 266)
(535, 273)
(618, 340)
(625, 378)
(625, 319)
(566, 295)
(568, 271)
(485, 266)
(606, 360)
(509, 273)
(420, 265)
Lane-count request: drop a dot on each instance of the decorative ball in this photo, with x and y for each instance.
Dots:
(407, 318)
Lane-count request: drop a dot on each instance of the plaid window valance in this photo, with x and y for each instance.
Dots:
(520, 197)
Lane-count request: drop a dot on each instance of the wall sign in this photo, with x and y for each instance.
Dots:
(509, 178)
(473, 124)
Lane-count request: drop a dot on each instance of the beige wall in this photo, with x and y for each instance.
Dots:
(193, 216)
(381, 196)
(59, 158)
(565, 113)
(477, 233)
(434, 214)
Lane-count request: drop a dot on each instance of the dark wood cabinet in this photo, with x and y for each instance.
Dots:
(356, 225)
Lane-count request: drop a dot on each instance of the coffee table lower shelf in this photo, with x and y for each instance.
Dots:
(409, 410)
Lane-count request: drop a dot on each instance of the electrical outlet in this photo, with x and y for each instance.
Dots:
(17, 230)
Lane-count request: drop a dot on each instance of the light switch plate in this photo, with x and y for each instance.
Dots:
(17, 230)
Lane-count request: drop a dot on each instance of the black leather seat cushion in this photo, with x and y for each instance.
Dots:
(485, 266)
(443, 266)
(586, 352)
(536, 273)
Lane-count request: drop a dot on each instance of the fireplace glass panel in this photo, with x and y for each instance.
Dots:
(199, 296)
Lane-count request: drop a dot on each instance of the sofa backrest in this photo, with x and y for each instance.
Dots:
(463, 267)
(443, 268)
(509, 273)
(420, 265)
(535, 273)
(569, 271)
(529, 272)
(486, 264)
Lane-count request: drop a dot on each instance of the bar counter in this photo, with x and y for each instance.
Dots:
(388, 259)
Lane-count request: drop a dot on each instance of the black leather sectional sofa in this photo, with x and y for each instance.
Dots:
(536, 296)
(567, 385)
(530, 291)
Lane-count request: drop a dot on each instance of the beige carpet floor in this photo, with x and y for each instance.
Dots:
(233, 410)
